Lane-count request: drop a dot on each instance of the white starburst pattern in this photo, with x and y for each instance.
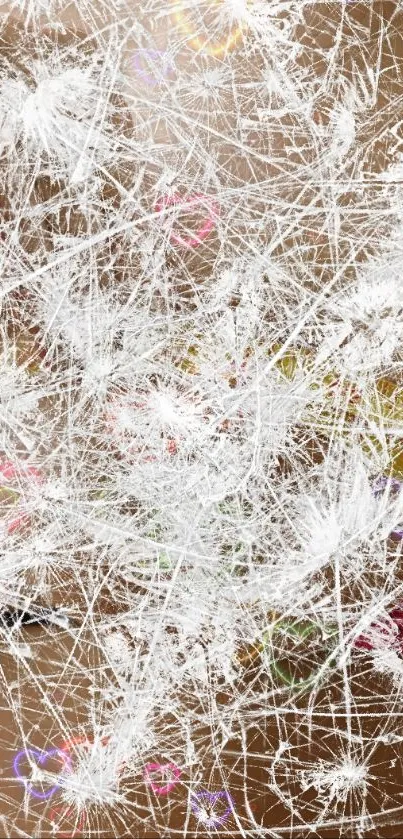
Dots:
(201, 418)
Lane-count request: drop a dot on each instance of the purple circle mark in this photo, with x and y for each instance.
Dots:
(211, 798)
(382, 483)
(152, 55)
(41, 759)
(397, 532)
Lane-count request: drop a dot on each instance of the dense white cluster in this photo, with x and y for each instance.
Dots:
(200, 390)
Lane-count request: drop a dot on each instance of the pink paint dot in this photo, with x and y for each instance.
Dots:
(192, 200)
(161, 777)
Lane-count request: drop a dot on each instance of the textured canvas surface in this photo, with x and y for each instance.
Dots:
(201, 419)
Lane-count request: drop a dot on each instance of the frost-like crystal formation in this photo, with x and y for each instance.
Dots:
(201, 418)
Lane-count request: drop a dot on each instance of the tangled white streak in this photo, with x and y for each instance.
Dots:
(201, 410)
